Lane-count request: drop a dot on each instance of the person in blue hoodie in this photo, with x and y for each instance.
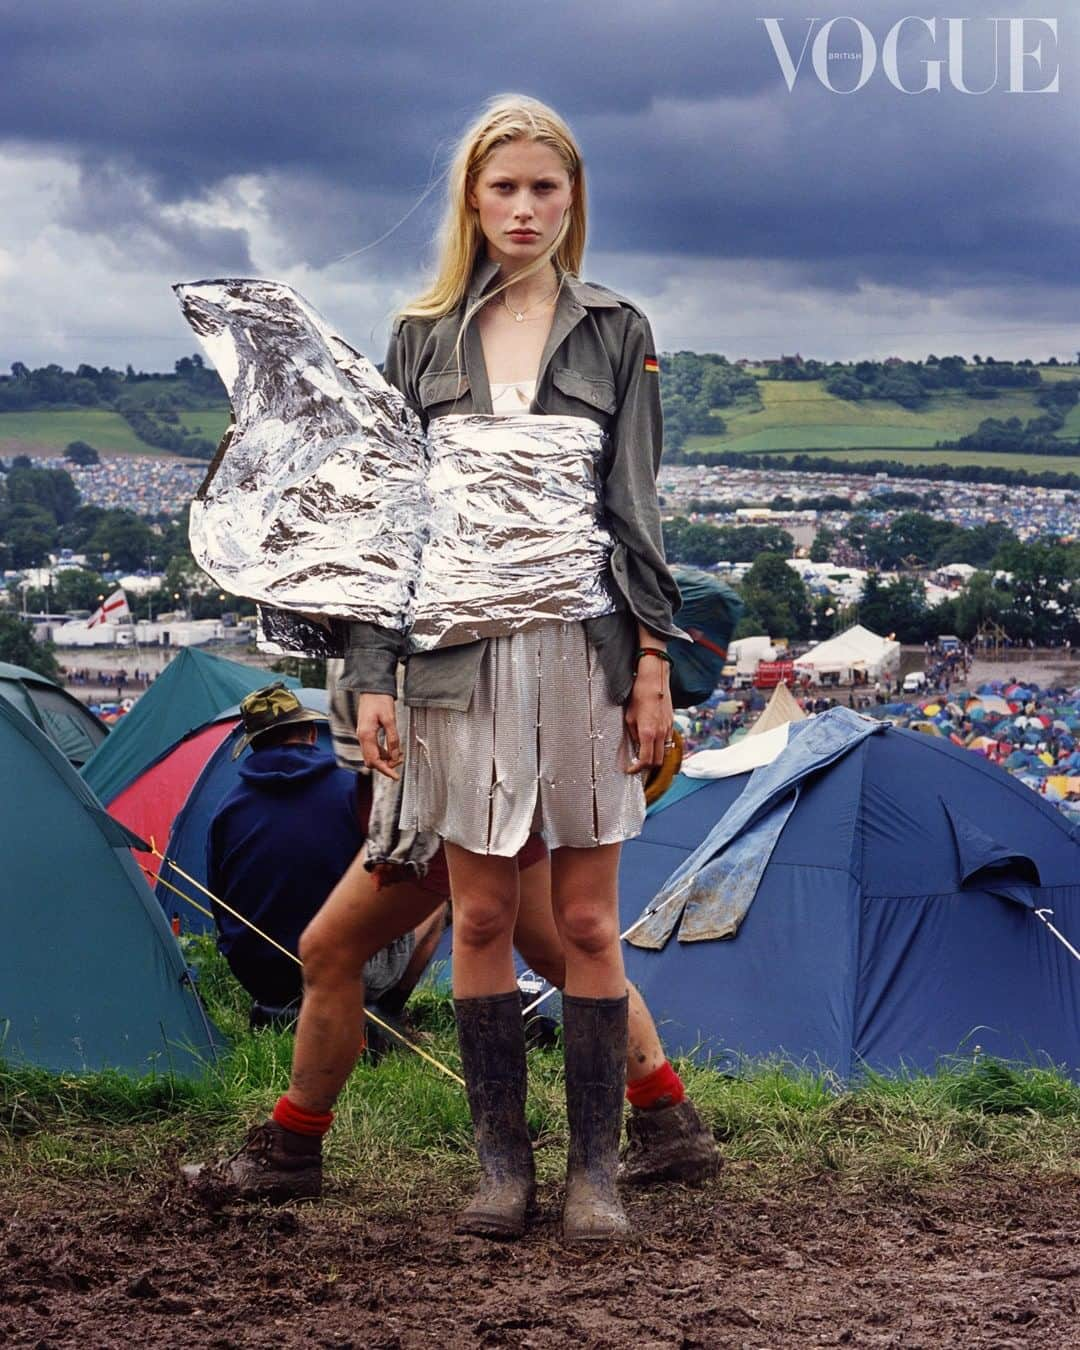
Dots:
(278, 845)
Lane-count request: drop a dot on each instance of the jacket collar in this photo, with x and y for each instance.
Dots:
(574, 299)
(581, 293)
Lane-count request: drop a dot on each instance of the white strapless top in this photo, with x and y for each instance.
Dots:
(512, 398)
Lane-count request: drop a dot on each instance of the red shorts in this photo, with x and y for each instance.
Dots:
(437, 879)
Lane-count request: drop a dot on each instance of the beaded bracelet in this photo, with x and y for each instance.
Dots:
(651, 651)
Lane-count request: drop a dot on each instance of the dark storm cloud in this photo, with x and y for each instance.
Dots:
(694, 144)
(115, 201)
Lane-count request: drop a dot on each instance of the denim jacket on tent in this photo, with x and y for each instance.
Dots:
(713, 889)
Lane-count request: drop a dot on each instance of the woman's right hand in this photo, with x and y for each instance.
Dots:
(376, 713)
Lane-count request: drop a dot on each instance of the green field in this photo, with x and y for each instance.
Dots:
(208, 422)
(50, 433)
(802, 415)
(53, 432)
(1071, 429)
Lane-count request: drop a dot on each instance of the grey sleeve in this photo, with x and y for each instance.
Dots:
(398, 367)
(371, 659)
(373, 652)
(639, 566)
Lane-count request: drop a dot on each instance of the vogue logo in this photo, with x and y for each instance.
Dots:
(1028, 67)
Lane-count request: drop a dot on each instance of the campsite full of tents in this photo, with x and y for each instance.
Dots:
(917, 900)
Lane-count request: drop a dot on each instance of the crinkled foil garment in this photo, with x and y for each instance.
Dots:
(315, 503)
(517, 536)
(320, 502)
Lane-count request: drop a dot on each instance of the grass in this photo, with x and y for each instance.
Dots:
(53, 432)
(207, 422)
(802, 415)
(403, 1129)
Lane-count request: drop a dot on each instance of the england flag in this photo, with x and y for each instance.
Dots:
(112, 610)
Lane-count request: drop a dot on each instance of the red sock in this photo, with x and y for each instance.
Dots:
(662, 1087)
(292, 1117)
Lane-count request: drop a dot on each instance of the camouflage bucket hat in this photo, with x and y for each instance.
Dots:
(272, 706)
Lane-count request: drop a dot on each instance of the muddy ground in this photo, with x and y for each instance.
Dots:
(995, 1262)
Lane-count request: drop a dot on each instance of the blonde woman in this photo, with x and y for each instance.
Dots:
(552, 723)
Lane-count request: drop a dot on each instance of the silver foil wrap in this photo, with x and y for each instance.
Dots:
(326, 502)
(517, 534)
(315, 505)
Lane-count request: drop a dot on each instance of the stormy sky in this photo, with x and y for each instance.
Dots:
(144, 144)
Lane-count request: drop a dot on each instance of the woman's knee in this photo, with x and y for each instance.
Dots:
(589, 928)
(481, 920)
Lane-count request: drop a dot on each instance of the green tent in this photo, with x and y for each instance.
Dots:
(188, 693)
(59, 714)
(90, 973)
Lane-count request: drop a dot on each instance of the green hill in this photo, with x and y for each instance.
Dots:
(50, 433)
(802, 416)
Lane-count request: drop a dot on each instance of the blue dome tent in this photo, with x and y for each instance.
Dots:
(894, 923)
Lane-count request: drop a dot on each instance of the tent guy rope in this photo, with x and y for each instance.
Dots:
(1041, 914)
(377, 1021)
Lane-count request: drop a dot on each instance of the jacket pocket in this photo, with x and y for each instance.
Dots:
(594, 390)
(442, 386)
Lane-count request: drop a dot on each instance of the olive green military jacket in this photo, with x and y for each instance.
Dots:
(599, 362)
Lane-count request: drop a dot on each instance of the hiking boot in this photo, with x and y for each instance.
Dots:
(669, 1143)
(272, 1164)
(594, 1039)
(492, 1041)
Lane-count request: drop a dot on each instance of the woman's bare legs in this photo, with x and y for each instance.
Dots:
(356, 921)
(538, 941)
(663, 1145)
(485, 890)
(492, 1040)
(585, 904)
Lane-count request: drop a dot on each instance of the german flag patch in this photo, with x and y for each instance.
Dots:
(652, 365)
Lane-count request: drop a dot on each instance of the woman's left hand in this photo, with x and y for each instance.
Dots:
(649, 714)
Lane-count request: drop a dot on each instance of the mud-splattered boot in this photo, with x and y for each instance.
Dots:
(492, 1039)
(272, 1164)
(594, 1036)
(667, 1143)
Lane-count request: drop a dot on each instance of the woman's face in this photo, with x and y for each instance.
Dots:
(521, 194)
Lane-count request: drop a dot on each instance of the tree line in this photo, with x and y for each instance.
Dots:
(42, 512)
(1032, 590)
(150, 403)
(1038, 599)
(809, 462)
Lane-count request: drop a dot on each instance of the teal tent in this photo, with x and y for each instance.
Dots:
(91, 976)
(60, 715)
(189, 692)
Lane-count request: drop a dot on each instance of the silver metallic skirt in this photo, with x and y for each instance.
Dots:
(540, 747)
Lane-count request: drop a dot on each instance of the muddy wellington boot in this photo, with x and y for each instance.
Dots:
(272, 1164)
(668, 1143)
(594, 1037)
(492, 1039)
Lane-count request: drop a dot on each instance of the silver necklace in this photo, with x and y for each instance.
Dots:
(519, 314)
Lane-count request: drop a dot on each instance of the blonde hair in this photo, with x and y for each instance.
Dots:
(509, 117)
